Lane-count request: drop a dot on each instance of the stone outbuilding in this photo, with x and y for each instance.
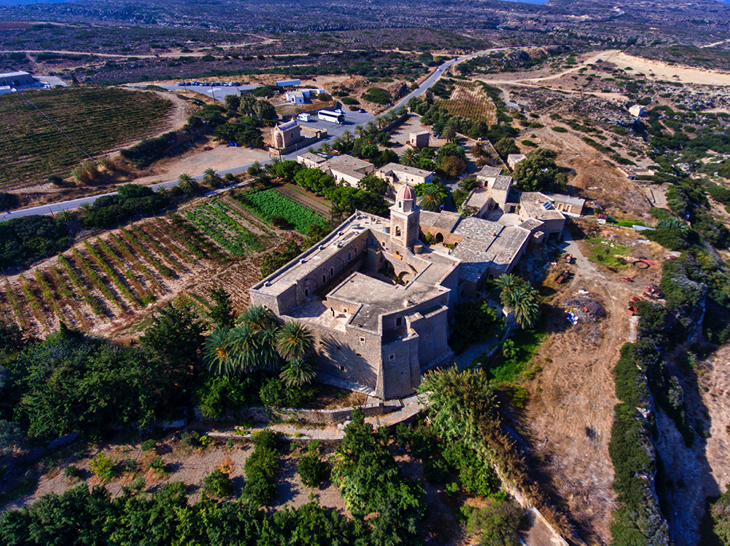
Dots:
(285, 135)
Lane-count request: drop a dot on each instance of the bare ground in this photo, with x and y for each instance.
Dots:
(185, 464)
(570, 412)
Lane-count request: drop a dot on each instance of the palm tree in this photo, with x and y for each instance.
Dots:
(217, 353)
(520, 298)
(244, 349)
(187, 183)
(347, 137)
(409, 157)
(257, 318)
(525, 306)
(294, 341)
(163, 191)
(506, 283)
(359, 130)
(212, 179)
(299, 371)
(432, 198)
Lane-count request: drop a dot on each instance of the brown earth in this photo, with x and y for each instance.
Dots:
(188, 465)
(568, 419)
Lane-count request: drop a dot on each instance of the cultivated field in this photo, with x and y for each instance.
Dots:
(97, 120)
(110, 283)
(469, 100)
(271, 206)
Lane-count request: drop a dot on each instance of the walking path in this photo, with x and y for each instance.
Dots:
(412, 406)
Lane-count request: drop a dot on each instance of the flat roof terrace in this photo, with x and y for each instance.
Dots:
(376, 298)
(310, 260)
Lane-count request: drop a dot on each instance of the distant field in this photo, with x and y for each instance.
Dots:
(98, 120)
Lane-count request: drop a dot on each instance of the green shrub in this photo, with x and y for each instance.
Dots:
(260, 468)
(559, 129)
(217, 484)
(8, 200)
(72, 472)
(275, 392)
(718, 193)
(377, 95)
(158, 465)
(103, 466)
(190, 438)
(497, 523)
(312, 469)
(349, 100)
(148, 445)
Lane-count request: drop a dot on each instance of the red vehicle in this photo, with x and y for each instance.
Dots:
(629, 279)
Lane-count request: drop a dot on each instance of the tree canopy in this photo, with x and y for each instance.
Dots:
(538, 171)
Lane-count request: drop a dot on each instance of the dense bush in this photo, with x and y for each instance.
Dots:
(260, 468)
(83, 516)
(30, 237)
(638, 519)
(217, 484)
(370, 481)
(8, 201)
(149, 150)
(475, 322)
(377, 95)
(275, 392)
(72, 382)
(718, 193)
(131, 199)
(312, 469)
(219, 395)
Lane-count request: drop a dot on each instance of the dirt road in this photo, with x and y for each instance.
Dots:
(569, 417)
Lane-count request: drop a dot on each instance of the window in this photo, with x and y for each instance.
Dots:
(324, 278)
(332, 271)
(399, 321)
(342, 368)
(397, 231)
(306, 292)
(349, 256)
(362, 340)
(391, 357)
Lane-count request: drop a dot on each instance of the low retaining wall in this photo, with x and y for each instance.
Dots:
(266, 415)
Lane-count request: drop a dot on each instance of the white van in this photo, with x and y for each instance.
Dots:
(304, 117)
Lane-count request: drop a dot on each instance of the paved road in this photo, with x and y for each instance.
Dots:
(352, 119)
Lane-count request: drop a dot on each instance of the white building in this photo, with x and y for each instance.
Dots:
(514, 159)
(299, 96)
(637, 110)
(347, 169)
(17, 79)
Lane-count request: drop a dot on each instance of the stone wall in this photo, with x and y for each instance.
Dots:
(307, 416)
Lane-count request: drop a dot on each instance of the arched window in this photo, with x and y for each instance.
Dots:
(332, 271)
(306, 292)
(349, 256)
(397, 231)
(324, 278)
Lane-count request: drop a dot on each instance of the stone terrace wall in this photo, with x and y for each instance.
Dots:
(308, 416)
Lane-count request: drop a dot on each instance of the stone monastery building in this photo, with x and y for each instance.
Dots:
(378, 301)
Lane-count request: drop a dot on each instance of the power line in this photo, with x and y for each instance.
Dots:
(51, 122)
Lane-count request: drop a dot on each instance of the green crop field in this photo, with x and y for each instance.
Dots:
(98, 120)
(270, 204)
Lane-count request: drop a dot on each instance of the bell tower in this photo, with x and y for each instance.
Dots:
(405, 218)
